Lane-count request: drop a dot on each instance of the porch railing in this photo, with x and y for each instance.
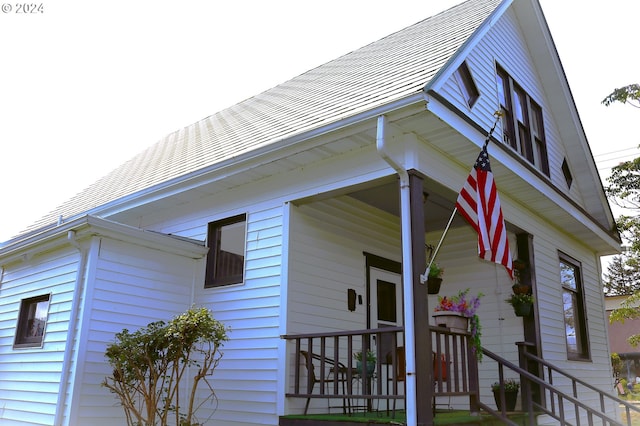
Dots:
(540, 396)
(324, 367)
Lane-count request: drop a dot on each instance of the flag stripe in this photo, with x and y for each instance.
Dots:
(479, 204)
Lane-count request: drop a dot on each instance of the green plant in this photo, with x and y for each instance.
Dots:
(467, 306)
(510, 385)
(435, 271)
(519, 299)
(150, 363)
(371, 356)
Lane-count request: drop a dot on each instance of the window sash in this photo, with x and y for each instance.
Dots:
(574, 310)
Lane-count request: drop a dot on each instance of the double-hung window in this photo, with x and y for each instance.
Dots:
(522, 125)
(225, 261)
(575, 318)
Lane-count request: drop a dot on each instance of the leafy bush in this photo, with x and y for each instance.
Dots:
(150, 363)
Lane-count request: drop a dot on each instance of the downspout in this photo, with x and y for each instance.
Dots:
(407, 271)
(71, 334)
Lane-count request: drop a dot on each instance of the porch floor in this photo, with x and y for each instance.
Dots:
(445, 417)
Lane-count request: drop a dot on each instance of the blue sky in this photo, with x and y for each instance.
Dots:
(87, 85)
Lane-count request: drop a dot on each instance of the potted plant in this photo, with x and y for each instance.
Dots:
(511, 388)
(434, 279)
(370, 360)
(522, 304)
(519, 270)
(457, 313)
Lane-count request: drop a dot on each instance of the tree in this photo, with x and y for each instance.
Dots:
(149, 366)
(627, 95)
(624, 190)
(623, 276)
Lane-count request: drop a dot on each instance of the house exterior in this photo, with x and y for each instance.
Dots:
(293, 211)
(618, 333)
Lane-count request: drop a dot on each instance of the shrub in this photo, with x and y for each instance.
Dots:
(150, 363)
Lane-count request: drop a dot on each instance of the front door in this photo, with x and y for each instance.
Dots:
(385, 307)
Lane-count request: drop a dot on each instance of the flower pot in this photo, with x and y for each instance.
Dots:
(433, 285)
(453, 320)
(522, 309)
(510, 399)
(371, 367)
(521, 289)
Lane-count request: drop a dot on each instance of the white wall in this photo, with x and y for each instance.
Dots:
(30, 377)
(504, 45)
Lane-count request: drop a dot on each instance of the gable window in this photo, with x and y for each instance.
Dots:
(522, 125)
(567, 173)
(467, 85)
(32, 321)
(226, 241)
(575, 323)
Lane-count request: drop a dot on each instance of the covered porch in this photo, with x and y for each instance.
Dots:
(352, 247)
(328, 376)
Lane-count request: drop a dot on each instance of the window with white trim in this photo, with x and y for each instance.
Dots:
(522, 124)
(32, 321)
(225, 261)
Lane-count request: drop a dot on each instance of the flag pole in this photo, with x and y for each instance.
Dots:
(425, 276)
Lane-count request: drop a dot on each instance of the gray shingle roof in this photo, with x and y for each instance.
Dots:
(389, 69)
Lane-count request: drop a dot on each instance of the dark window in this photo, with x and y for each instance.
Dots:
(386, 301)
(575, 323)
(568, 177)
(225, 261)
(32, 321)
(467, 85)
(522, 125)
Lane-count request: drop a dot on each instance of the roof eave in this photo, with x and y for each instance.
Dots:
(86, 226)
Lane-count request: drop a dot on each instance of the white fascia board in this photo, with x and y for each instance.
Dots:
(469, 44)
(500, 156)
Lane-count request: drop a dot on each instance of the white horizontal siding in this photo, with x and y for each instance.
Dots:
(326, 256)
(246, 380)
(505, 44)
(30, 377)
(129, 287)
(463, 269)
(547, 242)
(327, 242)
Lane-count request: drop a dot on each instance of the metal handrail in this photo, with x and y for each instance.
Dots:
(556, 411)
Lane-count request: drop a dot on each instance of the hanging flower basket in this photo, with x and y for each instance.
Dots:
(454, 320)
(434, 280)
(522, 309)
(522, 304)
(521, 289)
(433, 285)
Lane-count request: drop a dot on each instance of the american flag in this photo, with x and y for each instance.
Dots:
(479, 203)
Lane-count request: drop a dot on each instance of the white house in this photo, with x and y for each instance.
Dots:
(300, 210)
